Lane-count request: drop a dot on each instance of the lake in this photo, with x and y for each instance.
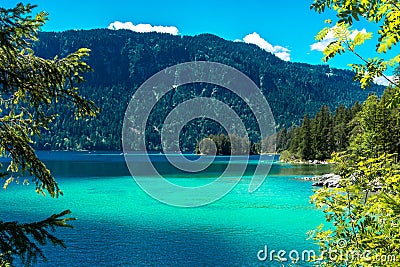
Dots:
(120, 225)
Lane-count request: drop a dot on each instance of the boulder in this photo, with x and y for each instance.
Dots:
(328, 180)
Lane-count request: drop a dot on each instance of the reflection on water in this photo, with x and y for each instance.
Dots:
(78, 164)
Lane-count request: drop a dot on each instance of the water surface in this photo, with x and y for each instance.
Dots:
(120, 225)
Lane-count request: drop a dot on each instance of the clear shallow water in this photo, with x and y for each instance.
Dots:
(120, 225)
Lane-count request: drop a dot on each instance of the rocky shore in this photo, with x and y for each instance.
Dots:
(333, 181)
(326, 180)
(309, 162)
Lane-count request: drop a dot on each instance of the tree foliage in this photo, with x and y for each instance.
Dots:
(377, 128)
(364, 214)
(365, 210)
(386, 14)
(221, 144)
(317, 138)
(29, 87)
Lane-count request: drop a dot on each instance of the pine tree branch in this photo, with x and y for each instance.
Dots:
(29, 85)
(25, 239)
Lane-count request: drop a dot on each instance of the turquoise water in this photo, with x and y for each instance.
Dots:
(120, 225)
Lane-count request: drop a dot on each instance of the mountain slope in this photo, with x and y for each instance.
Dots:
(122, 60)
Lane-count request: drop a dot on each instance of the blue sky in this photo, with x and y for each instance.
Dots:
(287, 26)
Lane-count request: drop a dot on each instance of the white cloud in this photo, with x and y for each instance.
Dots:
(329, 38)
(117, 25)
(320, 46)
(355, 32)
(283, 55)
(382, 81)
(279, 51)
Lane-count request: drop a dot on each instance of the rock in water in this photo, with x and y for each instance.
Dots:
(328, 180)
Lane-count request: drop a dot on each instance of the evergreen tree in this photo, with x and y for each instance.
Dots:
(340, 128)
(29, 87)
(323, 134)
(378, 126)
(295, 141)
(283, 139)
(306, 146)
(328, 134)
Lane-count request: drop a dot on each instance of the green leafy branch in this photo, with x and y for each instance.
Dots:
(385, 12)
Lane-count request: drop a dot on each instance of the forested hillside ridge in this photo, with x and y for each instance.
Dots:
(318, 137)
(368, 130)
(122, 60)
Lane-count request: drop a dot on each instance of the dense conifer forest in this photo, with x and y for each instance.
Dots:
(122, 60)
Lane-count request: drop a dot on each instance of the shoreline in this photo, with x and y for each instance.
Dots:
(308, 162)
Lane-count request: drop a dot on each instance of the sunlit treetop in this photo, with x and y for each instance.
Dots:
(385, 13)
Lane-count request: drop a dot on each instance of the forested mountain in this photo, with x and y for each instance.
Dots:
(122, 60)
